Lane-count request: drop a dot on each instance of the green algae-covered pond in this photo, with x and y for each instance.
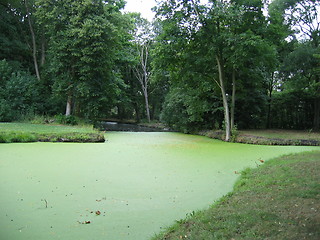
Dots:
(130, 187)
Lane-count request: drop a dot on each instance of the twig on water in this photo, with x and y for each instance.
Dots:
(45, 200)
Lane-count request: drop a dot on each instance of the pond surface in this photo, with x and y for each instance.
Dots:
(139, 183)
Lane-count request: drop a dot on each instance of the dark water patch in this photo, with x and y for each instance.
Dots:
(127, 127)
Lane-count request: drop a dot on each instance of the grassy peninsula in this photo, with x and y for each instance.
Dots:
(28, 132)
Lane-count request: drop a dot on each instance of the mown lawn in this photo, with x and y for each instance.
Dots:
(278, 200)
(27, 132)
(279, 137)
(283, 134)
(270, 137)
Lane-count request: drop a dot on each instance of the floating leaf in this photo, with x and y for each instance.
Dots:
(85, 222)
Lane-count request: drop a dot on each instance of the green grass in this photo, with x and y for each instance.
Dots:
(278, 200)
(283, 134)
(279, 137)
(270, 137)
(27, 132)
(44, 128)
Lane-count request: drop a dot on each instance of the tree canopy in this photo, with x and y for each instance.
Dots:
(223, 65)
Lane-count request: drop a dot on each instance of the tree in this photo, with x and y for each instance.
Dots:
(143, 39)
(33, 38)
(180, 64)
(82, 43)
(20, 94)
(302, 16)
(230, 40)
(14, 37)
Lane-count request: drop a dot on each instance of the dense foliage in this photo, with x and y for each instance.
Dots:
(224, 65)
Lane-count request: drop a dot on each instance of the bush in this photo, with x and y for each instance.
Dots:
(174, 112)
(188, 113)
(6, 113)
(69, 120)
(15, 137)
(19, 94)
(12, 137)
(40, 119)
(5, 71)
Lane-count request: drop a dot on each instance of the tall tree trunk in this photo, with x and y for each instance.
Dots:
(43, 50)
(69, 104)
(146, 98)
(268, 125)
(143, 75)
(270, 89)
(233, 101)
(137, 112)
(224, 98)
(34, 46)
(316, 118)
(76, 105)
(144, 61)
(70, 93)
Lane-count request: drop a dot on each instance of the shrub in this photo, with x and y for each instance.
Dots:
(174, 112)
(2, 138)
(5, 71)
(6, 113)
(19, 94)
(10, 137)
(23, 137)
(234, 133)
(15, 137)
(39, 119)
(190, 112)
(70, 120)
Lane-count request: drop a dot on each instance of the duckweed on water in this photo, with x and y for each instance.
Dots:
(139, 182)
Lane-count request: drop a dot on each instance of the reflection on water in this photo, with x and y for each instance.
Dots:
(126, 127)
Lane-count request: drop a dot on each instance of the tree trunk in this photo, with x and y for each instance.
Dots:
(69, 104)
(270, 89)
(146, 98)
(233, 101)
(224, 98)
(268, 125)
(316, 118)
(43, 50)
(76, 107)
(143, 76)
(137, 112)
(34, 46)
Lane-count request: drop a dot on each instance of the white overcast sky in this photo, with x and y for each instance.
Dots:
(144, 7)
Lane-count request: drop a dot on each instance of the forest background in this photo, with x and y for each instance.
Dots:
(224, 65)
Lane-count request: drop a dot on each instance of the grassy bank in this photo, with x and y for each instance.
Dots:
(270, 137)
(27, 132)
(278, 200)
